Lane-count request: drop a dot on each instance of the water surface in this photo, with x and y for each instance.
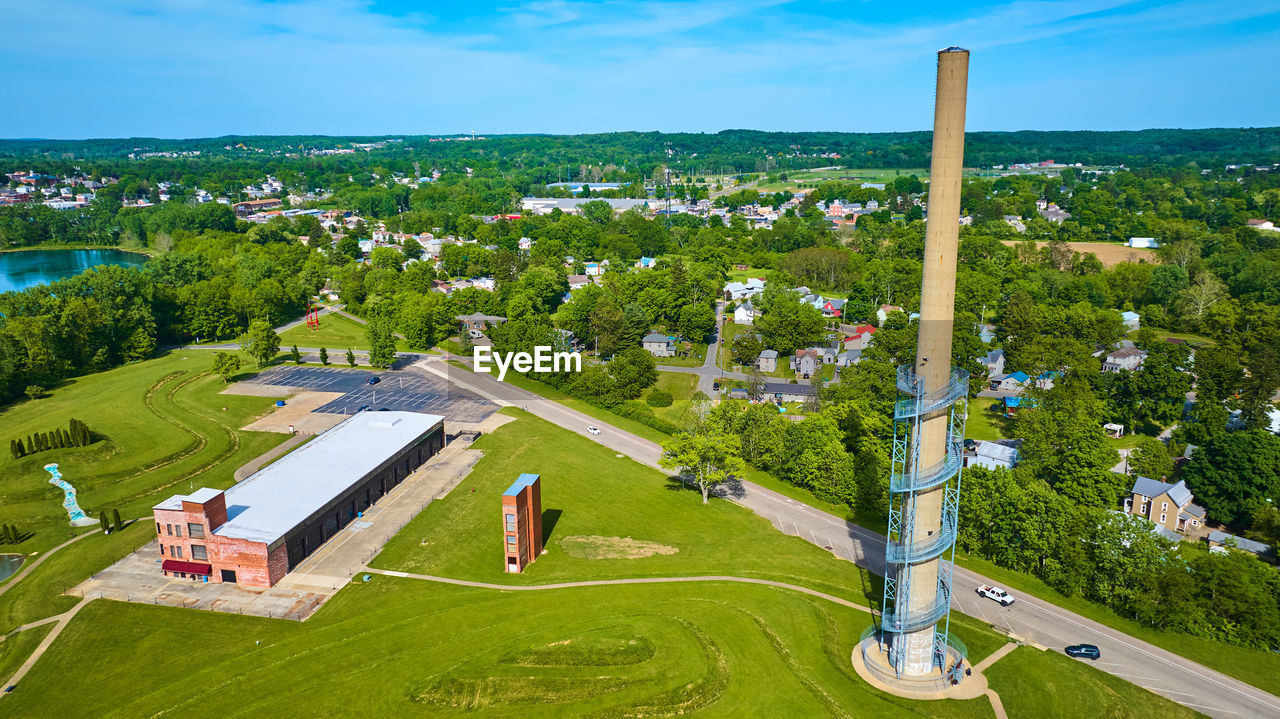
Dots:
(20, 270)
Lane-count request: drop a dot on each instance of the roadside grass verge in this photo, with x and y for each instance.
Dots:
(1252, 666)
(1047, 685)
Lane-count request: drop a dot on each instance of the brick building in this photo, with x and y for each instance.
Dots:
(522, 522)
(258, 530)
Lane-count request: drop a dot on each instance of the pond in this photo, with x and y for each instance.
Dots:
(9, 564)
(20, 270)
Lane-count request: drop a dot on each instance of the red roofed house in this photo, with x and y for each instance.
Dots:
(860, 339)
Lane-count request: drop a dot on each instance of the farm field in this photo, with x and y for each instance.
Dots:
(1109, 254)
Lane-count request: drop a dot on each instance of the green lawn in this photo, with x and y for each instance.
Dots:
(17, 647)
(697, 354)
(406, 647)
(1192, 339)
(681, 387)
(1047, 685)
(985, 422)
(402, 647)
(587, 491)
(160, 426)
(1259, 668)
(336, 334)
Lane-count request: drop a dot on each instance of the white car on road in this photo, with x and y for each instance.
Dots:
(996, 593)
(593, 429)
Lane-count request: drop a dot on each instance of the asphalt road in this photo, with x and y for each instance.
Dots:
(1031, 619)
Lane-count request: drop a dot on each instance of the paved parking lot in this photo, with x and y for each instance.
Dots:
(405, 390)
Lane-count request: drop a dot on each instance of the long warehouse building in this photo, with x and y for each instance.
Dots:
(257, 531)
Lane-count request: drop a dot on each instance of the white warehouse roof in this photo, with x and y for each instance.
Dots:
(284, 494)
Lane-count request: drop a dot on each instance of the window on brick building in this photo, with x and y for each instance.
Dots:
(168, 529)
(162, 550)
(196, 531)
(177, 530)
(198, 552)
(177, 552)
(157, 527)
(511, 522)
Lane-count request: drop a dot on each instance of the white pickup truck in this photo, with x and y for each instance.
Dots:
(996, 593)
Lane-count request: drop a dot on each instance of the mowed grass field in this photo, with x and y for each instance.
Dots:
(403, 647)
(160, 427)
(681, 387)
(336, 333)
(1048, 685)
(411, 647)
(604, 517)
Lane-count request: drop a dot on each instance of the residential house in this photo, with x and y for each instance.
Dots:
(806, 362)
(1053, 213)
(1013, 382)
(577, 282)
(768, 361)
(994, 455)
(1168, 505)
(1149, 243)
(596, 269)
(659, 345)
(1045, 380)
(1125, 358)
(1262, 225)
(479, 321)
(745, 313)
(737, 291)
(526, 244)
(738, 393)
(986, 333)
(783, 392)
(1131, 321)
(646, 263)
(848, 357)
(994, 362)
(833, 308)
(860, 338)
(885, 311)
(1220, 541)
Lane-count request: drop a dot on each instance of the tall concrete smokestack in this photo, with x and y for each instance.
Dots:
(929, 425)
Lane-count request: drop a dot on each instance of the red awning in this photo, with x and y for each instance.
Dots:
(177, 565)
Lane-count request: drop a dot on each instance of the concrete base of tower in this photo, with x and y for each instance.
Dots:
(871, 662)
(916, 657)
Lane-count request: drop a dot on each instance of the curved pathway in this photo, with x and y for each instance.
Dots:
(62, 620)
(606, 582)
(28, 566)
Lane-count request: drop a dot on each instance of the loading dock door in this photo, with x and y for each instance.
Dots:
(228, 576)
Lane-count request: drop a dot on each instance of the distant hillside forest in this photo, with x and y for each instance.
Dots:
(729, 150)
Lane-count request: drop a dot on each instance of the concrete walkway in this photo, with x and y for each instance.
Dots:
(634, 580)
(62, 620)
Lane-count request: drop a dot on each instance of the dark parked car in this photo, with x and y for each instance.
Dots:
(1084, 651)
(10, 688)
(363, 408)
(374, 380)
(970, 445)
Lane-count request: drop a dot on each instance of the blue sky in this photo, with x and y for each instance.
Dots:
(196, 68)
